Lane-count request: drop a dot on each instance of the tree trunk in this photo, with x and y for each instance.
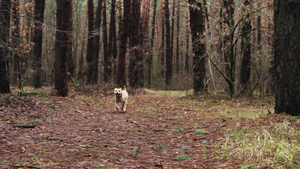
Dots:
(62, 45)
(29, 34)
(136, 78)
(259, 48)
(89, 56)
(107, 57)
(197, 29)
(150, 58)
(97, 41)
(163, 42)
(15, 43)
(120, 18)
(28, 21)
(112, 43)
(121, 77)
(39, 8)
(187, 55)
(187, 60)
(169, 57)
(172, 31)
(287, 58)
(246, 47)
(177, 37)
(144, 39)
(81, 71)
(229, 56)
(4, 35)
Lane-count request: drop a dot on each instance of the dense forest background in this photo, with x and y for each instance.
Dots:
(160, 53)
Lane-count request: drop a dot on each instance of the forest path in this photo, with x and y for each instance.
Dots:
(85, 131)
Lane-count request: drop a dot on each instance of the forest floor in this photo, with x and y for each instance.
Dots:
(160, 129)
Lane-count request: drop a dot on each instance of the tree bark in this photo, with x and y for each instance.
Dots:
(39, 8)
(187, 60)
(107, 57)
(246, 47)
(169, 57)
(163, 42)
(197, 29)
(89, 56)
(286, 56)
(15, 43)
(112, 42)
(136, 78)
(172, 31)
(229, 56)
(62, 45)
(150, 58)
(97, 41)
(4, 35)
(121, 76)
(81, 71)
(177, 37)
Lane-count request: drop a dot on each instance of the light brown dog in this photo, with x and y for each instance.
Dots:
(121, 97)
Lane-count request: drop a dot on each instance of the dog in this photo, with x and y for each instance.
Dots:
(121, 97)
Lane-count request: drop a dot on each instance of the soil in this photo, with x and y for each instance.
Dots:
(84, 131)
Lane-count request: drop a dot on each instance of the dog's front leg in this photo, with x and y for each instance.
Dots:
(124, 105)
(117, 107)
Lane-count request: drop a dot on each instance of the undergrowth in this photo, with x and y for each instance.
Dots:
(276, 145)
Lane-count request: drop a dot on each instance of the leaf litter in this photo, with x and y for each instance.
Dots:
(84, 131)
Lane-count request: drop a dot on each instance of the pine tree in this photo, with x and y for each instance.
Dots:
(62, 45)
(287, 56)
(4, 35)
(197, 29)
(39, 8)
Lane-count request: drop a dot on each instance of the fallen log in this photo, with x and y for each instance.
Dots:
(25, 126)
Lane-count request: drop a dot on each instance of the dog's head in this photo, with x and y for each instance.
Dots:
(118, 92)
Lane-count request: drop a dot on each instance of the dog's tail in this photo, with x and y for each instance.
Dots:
(124, 87)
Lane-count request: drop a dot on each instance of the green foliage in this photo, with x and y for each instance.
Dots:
(176, 93)
(32, 93)
(180, 158)
(204, 149)
(162, 147)
(22, 138)
(198, 131)
(140, 133)
(178, 130)
(247, 166)
(294, 117)
(35, 158)
(227, 156)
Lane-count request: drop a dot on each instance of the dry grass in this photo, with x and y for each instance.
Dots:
(275, 145)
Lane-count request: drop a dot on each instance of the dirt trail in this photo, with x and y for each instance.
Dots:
(84, 131)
